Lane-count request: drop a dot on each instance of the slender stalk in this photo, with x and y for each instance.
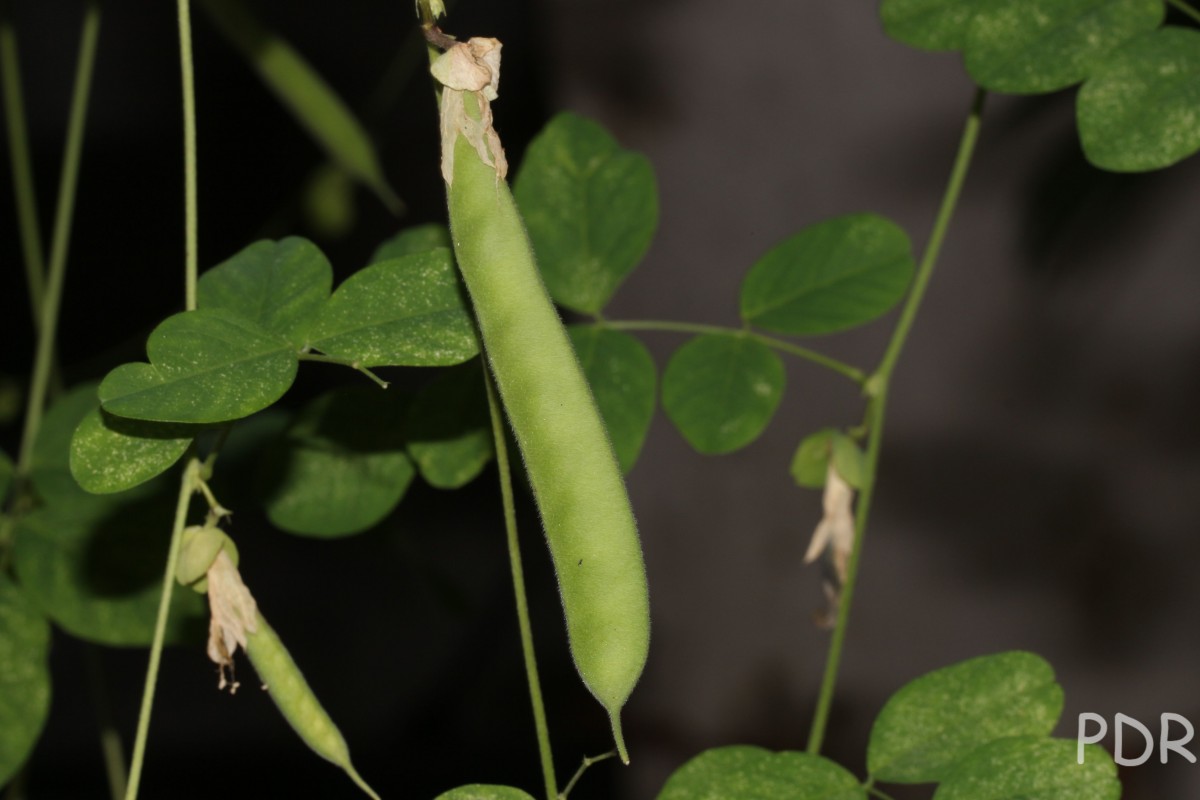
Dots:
(110, 738)
(518, 578)
(871, 790)
(877, 387)
(324, 359)
(191, 247)
(43, 364)
(22, 164)
(821, 359)
(1186, 9)
(187, 487)
(587, 762)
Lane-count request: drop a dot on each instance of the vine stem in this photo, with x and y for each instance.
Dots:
(1185, 8)
(518, 578)
(187, 487)
(324, 359)
(841, 368)
(191, 216)
(43, 364)
(877, 389)
(22, 165)
(588, 761)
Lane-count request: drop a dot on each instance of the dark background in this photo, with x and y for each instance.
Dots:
(1038, 487)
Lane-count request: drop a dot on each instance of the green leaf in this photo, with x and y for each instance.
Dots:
(932, 723)
(752, 773)
(50, 465)
(24, 677)
(811, 461)
(310, 99)
(480, 791)
(591, 209)
(721, 390)
(112, 454)
(1138, 111)
(448, 428)
(1032, 767)
(278, 285)
(623, 378)
(417, 239)
(94, 565)
(409, 311)
(205, 366)
(1036, 46)
(929, 24)
(6, 475)
(341, 467)
(833, 275)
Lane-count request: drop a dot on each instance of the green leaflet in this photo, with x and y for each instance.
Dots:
(341, 467)
(112, 454)
(24, 677)
(407, 311)
(280, 286)
(448, 428)
(591, 209)
(935, 721)
(1037, 46)
(721, 390)
(417, 239)
(93, 564)
(622, 375)
(479, 791)
(1024, 767)
(298, 86)
(811, 461)
(831, 276)
(752, 773)
(929, 24)
(205, 366)
(1137, 112)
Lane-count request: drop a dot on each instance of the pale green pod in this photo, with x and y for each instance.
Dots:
(578, 486)
(285, 683)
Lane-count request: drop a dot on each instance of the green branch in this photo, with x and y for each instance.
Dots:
(841, 368)
(321, 358)
(191, 216)
(518, 578)
(877, 387)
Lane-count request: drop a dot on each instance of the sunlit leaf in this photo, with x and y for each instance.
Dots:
(721, 390)
(833, 275)
(205, 366)
(1138, 111)
(935, 721)
(417, 239)
(278, 285)
(591, 209)
(752, 773)
(929, 24)
(112, 454)
(407, 311)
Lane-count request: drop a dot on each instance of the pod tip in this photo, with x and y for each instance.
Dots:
(618, 737)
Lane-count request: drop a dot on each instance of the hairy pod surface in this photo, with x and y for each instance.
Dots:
(286, 684)
(577, 484)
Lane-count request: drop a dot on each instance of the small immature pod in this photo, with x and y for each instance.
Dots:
(576, 481)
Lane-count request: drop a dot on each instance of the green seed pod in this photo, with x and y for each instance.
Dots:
(296, 701)
(197, 551)
(576, 482)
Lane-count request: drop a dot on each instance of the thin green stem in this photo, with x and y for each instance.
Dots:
(324, 359)
(841, 368)
(191, 216)
(1186, 9)
(587, 762)
(518, 578)
(22, 165)
(871, 790)
(43, 365)
(110, 737)
(187, 487)
(877, 388)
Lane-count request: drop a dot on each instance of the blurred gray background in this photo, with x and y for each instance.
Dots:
(1040, 473)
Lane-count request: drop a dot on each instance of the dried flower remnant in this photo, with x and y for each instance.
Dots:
(470, 67)
(834, 535)
(234, 614)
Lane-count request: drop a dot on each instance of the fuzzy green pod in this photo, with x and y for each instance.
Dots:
(576, 481)
(285, 683)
